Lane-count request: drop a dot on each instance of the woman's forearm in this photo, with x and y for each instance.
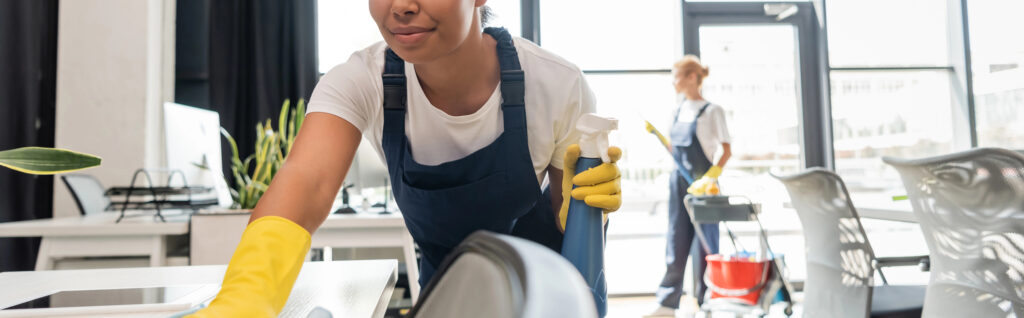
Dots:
(726, 154)
(305, 187)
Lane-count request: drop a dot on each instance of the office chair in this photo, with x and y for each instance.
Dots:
(840, 262)
(88, 193)
(971, 209)
(500, 276)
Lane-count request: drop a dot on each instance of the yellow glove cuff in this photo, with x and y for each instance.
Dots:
(714, 172)
(262, 271)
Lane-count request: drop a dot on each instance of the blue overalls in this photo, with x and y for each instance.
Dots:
(681, 242)
(494, 188)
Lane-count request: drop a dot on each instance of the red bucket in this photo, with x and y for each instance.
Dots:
(736, 278)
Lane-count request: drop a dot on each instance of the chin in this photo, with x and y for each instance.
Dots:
(415, 55)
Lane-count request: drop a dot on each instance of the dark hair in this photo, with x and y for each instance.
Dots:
(485, 15)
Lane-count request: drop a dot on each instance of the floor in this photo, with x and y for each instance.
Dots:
(633, 307)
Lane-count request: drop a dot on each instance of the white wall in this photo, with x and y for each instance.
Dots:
(114, 70)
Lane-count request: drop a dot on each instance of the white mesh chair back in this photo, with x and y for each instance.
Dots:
(88, 193)
(971, 209)
(492, 275)
(839, 257)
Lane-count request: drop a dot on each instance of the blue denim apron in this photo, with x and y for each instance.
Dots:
(494, 188)
(687, 145)
(681, 242)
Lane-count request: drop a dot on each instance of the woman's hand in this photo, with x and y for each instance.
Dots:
(598, 187)
(706, 183)
(262, 271)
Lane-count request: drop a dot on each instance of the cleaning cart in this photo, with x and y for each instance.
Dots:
(744, 283)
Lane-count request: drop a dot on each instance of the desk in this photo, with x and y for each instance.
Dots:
(345, 288)
(214, 237)
(899, 211)
(98, 235)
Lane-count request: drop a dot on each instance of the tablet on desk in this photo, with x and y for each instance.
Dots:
(113, 302)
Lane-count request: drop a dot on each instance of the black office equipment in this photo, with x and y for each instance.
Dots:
(159, 198)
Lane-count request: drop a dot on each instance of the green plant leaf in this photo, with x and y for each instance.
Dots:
(243, 197)
(260, 135)
(272, 147)
(261, 158)
(239, 181)
(283, 117)
(246, 165)
(286, 145)
(234, 146)
(40, 160)
(302, 115)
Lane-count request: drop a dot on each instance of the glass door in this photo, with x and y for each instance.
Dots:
(764, 66)
(754, 77)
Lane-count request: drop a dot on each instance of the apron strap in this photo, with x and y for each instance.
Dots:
(679, 109)
(395, 102)
(513, 87)
(701, 112)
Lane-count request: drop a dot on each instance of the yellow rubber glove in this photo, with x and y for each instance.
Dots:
(262, 271)
(598, 187)
(701, 186)
(650, 128)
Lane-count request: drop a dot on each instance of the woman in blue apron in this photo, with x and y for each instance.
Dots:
(438, 85)
(698, 128)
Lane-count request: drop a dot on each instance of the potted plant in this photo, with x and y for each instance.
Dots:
(253, 174)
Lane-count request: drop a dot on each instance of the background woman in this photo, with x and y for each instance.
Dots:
(698, 129)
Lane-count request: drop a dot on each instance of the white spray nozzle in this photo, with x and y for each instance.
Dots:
(594, 139)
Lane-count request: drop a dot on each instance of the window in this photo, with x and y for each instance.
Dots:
(610, 34)
(507, 14)
(343, 27)
(754, 77)
(904, 114)
(877, 33)
(997, 58)
(890, 96)
(627, 49)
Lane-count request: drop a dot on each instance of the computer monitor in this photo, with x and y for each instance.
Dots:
(193, 144)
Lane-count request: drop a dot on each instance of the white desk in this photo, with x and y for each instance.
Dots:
(900, 211)
(215, 236)
(98, 235)
(345, 288)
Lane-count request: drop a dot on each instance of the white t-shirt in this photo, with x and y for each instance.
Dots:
(711, 128)
(556, 95)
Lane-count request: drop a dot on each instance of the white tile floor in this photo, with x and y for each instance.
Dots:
(634, 307)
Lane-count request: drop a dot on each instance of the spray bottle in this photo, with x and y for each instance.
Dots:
(583, 244)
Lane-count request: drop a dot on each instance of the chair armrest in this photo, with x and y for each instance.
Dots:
(921, 261)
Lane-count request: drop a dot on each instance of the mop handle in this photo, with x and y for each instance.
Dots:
(664, 141)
